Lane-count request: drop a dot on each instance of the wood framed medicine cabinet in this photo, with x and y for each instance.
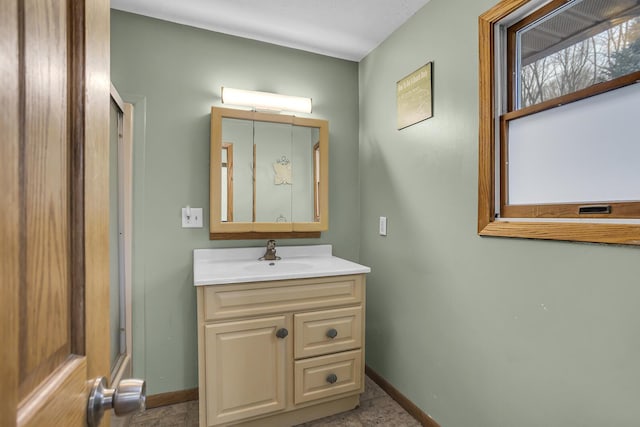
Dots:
(279, 181)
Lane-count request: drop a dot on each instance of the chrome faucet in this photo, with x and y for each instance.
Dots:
(270, 254)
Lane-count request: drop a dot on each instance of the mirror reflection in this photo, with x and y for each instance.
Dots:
(271, 171)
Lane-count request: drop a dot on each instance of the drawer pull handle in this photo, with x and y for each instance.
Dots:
(282, 333)
(332, 333)
(332, 378)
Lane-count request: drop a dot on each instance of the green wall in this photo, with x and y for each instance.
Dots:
(174, 74)
(483, 332)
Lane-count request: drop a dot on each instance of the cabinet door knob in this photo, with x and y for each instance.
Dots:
(332, 378)
(332, 333)
(282, 333)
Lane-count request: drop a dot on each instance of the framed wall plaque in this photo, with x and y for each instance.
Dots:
(414, 96)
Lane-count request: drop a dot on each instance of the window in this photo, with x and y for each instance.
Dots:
(559, 140)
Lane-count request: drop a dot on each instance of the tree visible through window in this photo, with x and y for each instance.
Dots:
(560, 55)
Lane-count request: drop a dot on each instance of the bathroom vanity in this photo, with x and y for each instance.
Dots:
(279, 342)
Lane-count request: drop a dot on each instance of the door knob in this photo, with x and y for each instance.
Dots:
(282, 333)
(129, 397)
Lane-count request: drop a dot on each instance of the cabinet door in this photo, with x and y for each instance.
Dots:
(245, 365)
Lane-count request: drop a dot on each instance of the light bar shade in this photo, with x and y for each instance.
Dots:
(265, 100)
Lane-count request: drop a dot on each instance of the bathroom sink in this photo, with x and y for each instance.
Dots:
(278, 266)
(241, 265)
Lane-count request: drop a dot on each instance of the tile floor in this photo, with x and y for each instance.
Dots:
(376, 409)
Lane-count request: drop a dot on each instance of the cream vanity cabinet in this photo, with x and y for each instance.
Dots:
(282, 352)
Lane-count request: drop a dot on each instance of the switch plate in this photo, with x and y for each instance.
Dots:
(194, 220)
(383, 226)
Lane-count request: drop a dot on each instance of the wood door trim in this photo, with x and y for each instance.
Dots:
(96, 180)
(402, 400)
(9, 208)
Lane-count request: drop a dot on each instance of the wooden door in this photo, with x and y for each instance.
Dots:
(54, 261)
(245, 368)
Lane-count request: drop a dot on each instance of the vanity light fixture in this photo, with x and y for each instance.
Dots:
(265, 100)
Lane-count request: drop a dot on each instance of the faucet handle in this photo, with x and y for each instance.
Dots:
(270, 254)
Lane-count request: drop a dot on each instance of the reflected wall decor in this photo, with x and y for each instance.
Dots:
(414, 96)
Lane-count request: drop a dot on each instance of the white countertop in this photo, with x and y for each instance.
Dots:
(240, 265)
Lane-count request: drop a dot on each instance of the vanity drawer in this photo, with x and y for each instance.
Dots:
(250, 299)
(327, 376)
(328, 331)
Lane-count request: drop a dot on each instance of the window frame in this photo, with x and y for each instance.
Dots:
(555, 222)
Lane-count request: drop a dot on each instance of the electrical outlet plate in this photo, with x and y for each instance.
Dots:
(194, 220)
(383, 226)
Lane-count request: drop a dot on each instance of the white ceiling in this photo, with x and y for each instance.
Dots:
(347, 29)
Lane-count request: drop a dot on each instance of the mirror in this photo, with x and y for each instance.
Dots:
(269, 175)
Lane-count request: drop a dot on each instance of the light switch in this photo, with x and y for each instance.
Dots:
(383, 226)
(191, 217)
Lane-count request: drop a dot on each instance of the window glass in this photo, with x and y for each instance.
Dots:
(574, 47)
(558, 155)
